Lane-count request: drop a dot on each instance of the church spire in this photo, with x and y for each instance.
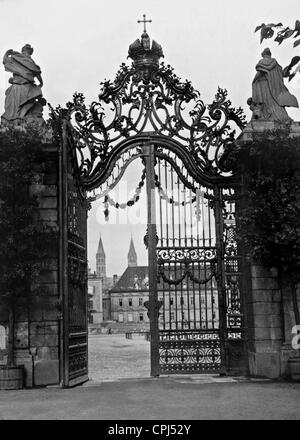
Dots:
(101, 260)
(132, 257)
(100, 247)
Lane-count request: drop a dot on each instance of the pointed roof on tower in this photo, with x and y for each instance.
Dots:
(100, 247)
(132, 257)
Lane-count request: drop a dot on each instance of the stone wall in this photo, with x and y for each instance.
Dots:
(38, 328)
(270, 318)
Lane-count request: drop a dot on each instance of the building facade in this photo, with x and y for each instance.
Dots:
(186, 306)
(95, 298)
(99, 285)
(128, 296)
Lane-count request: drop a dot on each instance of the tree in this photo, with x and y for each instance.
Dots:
(283, 33)
(25, 241)
(270, 220)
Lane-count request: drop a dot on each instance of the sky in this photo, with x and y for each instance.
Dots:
(79, 43)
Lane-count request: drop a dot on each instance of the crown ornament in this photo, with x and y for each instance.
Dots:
(144, 54)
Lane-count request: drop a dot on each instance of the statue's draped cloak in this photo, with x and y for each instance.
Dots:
(21, 96)
(268, 88)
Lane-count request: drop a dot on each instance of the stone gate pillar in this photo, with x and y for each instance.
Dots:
(269, 316)
(38, 324)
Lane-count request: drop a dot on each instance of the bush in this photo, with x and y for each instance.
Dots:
(25, 240)
(269, 219)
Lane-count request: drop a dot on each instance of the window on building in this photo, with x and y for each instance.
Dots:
(141, 316)
(141, 302)
(192, 301)
(121, 317)
(182, 300)
(130, 317)
(172, 316)
(121, 302)
(171, 301)
(130, 302)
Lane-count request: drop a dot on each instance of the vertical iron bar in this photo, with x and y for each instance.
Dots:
(184, 210)
(199, 212)
(220, 276)
(167, 216)
(191, 218)
(179, 212)
(186, 245)
(205, 262)
(174, 266)
(63, 256)
(159, 164)
(160, 205)
(192, 264)
(209, 224)
(148, 150)
(173, 213)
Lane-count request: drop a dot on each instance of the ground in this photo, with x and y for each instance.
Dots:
(138, 397)
(156, 399)
(114, 356)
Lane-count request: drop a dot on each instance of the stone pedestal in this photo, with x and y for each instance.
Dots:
(258, 127)
(263, 309)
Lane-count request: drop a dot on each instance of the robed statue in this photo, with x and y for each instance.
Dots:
(23, 99)
(270, 96)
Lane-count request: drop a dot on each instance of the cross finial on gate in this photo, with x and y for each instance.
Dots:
(144, 21)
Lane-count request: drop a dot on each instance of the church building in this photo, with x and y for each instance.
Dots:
(122, 299)
(128, 295)
(98, 289)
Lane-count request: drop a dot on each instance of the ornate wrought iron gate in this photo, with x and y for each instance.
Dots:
(197, 264)
(190, 322)
(194, 297)
(195, 301)
(73, 269)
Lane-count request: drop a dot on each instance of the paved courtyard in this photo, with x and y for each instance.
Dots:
(156, 399)
(114, 357)
(121, 389)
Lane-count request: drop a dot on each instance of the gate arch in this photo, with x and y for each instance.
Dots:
(150, 120)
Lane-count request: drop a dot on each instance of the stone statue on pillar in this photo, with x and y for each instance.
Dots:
(23, 99)
(270, 96)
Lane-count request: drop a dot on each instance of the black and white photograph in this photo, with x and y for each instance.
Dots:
(149, 213)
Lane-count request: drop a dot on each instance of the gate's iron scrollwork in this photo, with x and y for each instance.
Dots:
(148, 97)
(147, 112)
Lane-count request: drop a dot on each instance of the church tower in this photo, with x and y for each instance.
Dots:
(132, 257)
(100, 260)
